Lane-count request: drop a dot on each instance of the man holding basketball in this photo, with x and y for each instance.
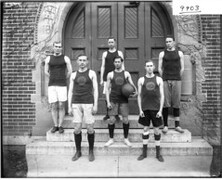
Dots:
(150, 101)
(116, 101)
(108, 66)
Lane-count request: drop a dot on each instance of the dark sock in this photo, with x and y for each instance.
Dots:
(111, 128)
(78, 140)
(177, 123)
(125, 130)
(165, 116)
(91, 138)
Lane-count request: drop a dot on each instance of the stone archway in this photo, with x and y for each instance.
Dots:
(49, 28)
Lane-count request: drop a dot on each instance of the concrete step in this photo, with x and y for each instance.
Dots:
(52, 166)
(101, 124)
(198, 146)
(135, 135)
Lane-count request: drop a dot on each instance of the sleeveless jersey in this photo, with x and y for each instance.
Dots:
(171, 65)
(109, 66)
(150, 94)
(83, 88)
(57, 71)
(116, 88)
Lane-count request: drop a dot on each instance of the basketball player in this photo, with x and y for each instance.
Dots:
(116, 102)
(83, 104)
(150, 101)
(55, 67)
(171, 68)
(108, 66)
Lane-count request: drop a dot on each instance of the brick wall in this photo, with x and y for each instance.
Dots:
(18, 113)
(211, 86)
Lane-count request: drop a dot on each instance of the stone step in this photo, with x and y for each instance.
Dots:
(198, 146)
(100, 123)
(135, 135)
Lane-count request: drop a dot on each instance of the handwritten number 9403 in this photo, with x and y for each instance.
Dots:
(195, 8)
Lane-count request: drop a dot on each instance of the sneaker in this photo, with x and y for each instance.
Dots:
(160, 158)
(111, 141)
(117, 118)
(126, 141)
(165, 129)
(106, 117)
(179, 129)
(61, 130)
(54, 129)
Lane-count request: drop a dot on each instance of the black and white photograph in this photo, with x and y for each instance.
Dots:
(111, 89)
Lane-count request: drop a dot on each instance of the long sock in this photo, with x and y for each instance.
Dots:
(111, 128)
(78, 140)
(157, 143)
(177, 123)
(125, 130)
(145, 137)
(165, 116)
(91, 138)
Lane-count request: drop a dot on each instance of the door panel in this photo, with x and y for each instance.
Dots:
(78, 33)
(131, 42)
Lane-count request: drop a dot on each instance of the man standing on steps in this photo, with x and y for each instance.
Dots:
(108, 66)
(116, 101)
(171, 68)
(55, 67)
(83, 104)
(150, 101)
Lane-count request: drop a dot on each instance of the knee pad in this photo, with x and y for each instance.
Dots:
(145, 135)
(157, 137)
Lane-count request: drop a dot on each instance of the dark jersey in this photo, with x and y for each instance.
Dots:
(116, 88)
(171, 65)
(109, 66)
(57, 71)
(150, 94)
(83, 88)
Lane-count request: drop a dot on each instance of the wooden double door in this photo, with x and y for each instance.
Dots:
(139, 27)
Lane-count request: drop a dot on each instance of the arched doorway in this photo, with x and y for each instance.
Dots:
(139, 28)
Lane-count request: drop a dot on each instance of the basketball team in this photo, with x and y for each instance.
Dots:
(155, 94)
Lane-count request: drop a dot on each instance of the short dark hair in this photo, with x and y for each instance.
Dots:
(118, 57)
(170, 36)
(56, 42)
(82, 55)
(111, 37)
(149, 60)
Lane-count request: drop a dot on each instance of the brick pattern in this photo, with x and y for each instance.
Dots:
(211, 86)
(18, 113)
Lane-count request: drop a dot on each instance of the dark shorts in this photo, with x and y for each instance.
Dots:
(119, 108)
(150, 115)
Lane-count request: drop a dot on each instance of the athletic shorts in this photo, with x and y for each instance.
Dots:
(119, 108)
(83, 113)
(57, 93)
(172, 93)
(150, 115)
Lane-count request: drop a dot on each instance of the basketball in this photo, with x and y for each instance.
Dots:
(127, 89)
